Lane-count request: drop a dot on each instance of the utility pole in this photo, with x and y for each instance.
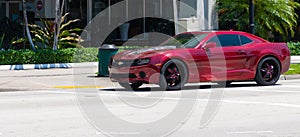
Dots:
(251, 16)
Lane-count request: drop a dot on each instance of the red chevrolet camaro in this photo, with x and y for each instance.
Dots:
(191, 57)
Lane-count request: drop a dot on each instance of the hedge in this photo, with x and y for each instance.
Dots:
(74, 55)
(85, 55)
(294, 48)
(45, 56)
(12, 57)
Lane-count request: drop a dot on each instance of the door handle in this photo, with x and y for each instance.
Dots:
(241, 52)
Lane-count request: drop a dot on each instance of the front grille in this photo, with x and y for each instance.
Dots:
(113, 75)
(123, 63)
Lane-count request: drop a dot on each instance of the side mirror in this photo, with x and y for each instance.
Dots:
(210, 45)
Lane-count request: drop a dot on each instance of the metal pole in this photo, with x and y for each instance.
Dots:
(175, 16)
(251, 16)
(24, 28)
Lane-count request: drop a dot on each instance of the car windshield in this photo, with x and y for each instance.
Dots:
(185, 40)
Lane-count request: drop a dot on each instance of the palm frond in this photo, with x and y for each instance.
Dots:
(68, 23)
(270, 15)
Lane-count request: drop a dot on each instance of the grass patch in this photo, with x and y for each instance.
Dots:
(294, 69)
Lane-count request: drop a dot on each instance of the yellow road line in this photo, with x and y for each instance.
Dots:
(74, 87)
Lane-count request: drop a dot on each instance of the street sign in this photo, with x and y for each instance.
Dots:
(39, 5)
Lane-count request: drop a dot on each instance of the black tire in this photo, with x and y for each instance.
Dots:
(131, 86)
(173, 75)
(268, 71)
(224, 83)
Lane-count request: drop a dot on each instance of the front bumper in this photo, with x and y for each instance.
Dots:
(148, 74)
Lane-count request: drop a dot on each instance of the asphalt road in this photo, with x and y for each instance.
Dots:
(74, 103)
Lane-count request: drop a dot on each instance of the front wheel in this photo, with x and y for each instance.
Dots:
(173, 75)
(131, 86)
(268, 71)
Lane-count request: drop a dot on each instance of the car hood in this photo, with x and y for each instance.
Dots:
(143, 53)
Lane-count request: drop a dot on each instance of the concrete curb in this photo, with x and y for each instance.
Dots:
(48, 66)
(289, 77)
(294, 60)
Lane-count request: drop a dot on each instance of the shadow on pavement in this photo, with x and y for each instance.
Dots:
(188, 87)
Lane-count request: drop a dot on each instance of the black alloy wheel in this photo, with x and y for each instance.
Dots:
(268, 71)
(173, 75)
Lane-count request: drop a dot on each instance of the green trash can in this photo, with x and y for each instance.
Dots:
(105, 52)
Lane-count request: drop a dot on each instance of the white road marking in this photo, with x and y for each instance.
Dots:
(263, 103)
(276, 104)
(224, 101)
(270, 91)
(118, 133)
(281, 89)
(250, 132)
(245, 102)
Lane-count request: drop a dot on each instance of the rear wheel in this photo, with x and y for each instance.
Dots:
(173, 75)
(131, 86)
(268, 71)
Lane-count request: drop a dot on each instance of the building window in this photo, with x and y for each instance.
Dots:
(2, 10)
(77, 10)
(187, 8)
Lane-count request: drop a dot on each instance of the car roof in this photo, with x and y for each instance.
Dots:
(226, 32)
(217, 32)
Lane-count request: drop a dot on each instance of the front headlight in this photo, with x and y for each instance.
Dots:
(143, 61)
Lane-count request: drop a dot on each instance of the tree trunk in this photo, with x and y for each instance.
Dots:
(26, 25)
(58, 14)
(55, 39)
(59, 19)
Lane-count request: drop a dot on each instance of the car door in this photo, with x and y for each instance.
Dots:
(227, 60)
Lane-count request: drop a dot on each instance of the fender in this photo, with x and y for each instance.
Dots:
(188, 61)
(280, 52)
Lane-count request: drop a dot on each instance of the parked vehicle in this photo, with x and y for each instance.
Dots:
(221, 56)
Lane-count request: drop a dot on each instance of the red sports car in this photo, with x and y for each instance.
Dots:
(213, 56)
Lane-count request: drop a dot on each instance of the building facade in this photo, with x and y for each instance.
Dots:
(165, 16)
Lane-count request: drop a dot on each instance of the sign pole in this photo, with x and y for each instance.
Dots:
(251, 16)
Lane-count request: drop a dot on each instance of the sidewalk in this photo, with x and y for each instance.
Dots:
(48, 66)
(294, 60)
(52, 79)
(80, 76)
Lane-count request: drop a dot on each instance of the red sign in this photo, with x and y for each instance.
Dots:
(39, 5)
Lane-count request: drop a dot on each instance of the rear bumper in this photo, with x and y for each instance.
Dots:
(143, 74)
(286, 62)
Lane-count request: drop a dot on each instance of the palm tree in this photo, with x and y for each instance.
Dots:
(277, 16)
(58, 15)
(26, 25)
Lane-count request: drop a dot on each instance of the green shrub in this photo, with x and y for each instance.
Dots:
(123, 48)
(86, 55)
(294, 48)
(11, 57)
(45, 56)
(67, 38)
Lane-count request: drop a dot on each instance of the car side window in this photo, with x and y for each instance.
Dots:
(229, 40)
(245, 40)
(214, 39)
